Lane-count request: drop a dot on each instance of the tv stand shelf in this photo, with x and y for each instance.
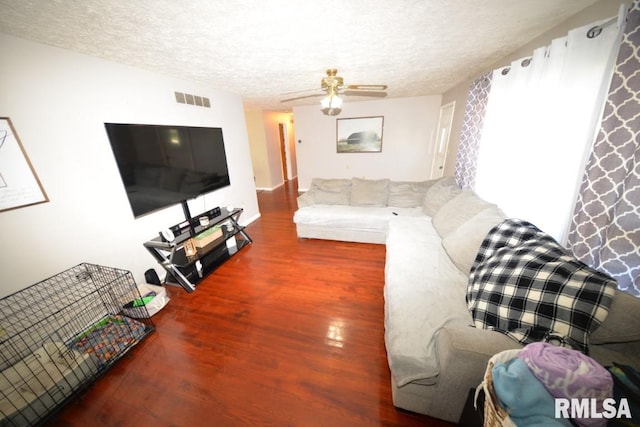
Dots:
(188, 269)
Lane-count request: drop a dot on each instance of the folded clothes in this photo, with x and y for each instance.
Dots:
(568, 373)
(523, 396)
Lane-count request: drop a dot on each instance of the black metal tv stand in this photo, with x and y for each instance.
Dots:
(188, 269)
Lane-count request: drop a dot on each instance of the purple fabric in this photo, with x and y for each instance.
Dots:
(569, 374)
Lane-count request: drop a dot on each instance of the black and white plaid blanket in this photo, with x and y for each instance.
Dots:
(524, 284)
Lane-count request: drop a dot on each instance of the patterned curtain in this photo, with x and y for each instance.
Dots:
(605, 231)
(467, 156)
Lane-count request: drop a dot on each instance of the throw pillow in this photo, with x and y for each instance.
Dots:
(440, 193)
(458, 210)
(331, 185)
(408, 194)
(369, 192)
(321, 197)
(463, 243)
(330, 191)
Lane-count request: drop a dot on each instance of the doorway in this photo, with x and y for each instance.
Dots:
(442, 141)
(283, 150)
(287, 148)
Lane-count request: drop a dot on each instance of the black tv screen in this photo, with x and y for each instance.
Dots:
(165, 165)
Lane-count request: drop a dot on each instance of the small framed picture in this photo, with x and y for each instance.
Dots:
(359, 134)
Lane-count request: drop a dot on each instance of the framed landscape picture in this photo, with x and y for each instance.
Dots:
(359, 134)
(19, 183)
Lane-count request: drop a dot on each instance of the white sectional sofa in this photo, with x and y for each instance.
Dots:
(435, 353)
(356, 210)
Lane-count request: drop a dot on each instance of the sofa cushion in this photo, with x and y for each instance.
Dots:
(331, 185)
(457, 211)
(408, 194)
(622, 323)
(374, 219)
(330, 191)
(423, 291)
(463, 243)
(305, 199)
(369, 192)
(438, 194)
(322, 197)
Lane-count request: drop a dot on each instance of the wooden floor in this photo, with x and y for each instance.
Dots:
(288, 332)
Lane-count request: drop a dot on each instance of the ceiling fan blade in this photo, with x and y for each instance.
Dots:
(367, 87)
(302, 97)
(365, 93)
(300, 91)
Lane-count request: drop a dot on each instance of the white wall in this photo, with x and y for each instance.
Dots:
(258, 145)
(410, 126)
(58, 102)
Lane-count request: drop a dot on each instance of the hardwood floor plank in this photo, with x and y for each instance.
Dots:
(289, 332)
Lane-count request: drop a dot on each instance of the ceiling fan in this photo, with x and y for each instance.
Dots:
(332, 86)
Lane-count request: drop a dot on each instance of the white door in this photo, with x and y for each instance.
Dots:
(442, 140)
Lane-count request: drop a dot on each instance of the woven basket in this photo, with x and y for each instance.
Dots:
(494, 414)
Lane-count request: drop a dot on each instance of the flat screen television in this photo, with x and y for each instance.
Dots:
(163, 165)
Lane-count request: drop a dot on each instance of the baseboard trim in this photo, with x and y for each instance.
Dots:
(250, 220)
(270, 189)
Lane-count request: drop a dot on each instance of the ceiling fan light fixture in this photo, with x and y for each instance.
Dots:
(333, 85)
(331, 105)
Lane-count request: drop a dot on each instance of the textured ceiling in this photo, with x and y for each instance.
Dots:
(261, 49)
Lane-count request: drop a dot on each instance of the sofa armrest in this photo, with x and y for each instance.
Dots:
(463, 352)
(305, 199)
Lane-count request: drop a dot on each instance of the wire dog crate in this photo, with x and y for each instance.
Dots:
(59, 335)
